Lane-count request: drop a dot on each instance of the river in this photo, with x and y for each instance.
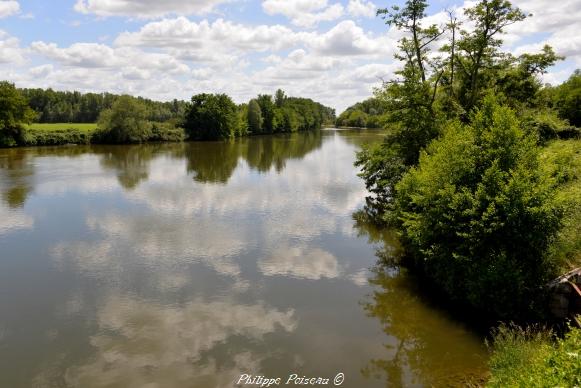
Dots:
(189, 265)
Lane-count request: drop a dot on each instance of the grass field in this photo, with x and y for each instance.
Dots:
(48, 127)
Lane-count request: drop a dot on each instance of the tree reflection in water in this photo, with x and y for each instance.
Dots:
(424, 346)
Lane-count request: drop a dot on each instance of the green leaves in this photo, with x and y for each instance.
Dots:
(14, 112)
(478, 215)
(211, 117)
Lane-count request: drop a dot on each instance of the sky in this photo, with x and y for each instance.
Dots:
(335, 52)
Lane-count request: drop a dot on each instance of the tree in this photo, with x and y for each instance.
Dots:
(409, 19)
(14, 111)
(211, 117)
(477, 214)
(479, 47)
(125, 122)
(254, 117)
(568, 99)
(279, 98)
(267, 108)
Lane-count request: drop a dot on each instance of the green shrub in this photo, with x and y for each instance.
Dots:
(477, 214)
(56, 137)
(561, 161)
(125, 122)
(530, 358)
(167, 131)
(211, 117)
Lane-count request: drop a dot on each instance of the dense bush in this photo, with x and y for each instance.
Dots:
(561, 161)
(211, 117)
(530, 358)
(478, 214)
(14, 111)
(56, 137)
(125, 122)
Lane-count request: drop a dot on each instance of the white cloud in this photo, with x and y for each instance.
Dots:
(181, 33)
(10, 51)
(145, 8)
(348, 38)
(304, 13)
(130, 61)
(359, 8)
(9, 8)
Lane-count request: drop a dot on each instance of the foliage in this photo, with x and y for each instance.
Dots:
(364, 114)
(56, 137)
(254, 117)
(568, 99)
(14, 112)
(267, 108)
(381, 169)
(530, 358)
(125, 122)
(75, 107)
(211, 117)
(477, 214)
(561, 161)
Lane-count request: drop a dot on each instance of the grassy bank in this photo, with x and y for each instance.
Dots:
(40, 134)
(533, 358)
(561, 160)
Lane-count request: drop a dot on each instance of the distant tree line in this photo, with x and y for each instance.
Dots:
(127, 119)
(370, 113)
(216, 116)
(53, 106)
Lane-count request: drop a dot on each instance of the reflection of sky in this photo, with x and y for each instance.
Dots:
(172, 280)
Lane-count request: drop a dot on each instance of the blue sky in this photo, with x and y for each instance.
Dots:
(332, 51)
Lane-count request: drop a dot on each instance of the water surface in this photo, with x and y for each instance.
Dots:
(187, 265)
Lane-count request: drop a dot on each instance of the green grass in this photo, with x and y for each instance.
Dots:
(561, 159)
(532, 358)
(48, 127)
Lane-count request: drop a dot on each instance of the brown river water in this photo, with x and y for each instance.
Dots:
(190, 265)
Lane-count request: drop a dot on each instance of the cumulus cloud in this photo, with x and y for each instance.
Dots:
(304, 13)
(359, 8)
(9, 8)
(181, 33)
(10, 51)
(132, 62)
(145, 8)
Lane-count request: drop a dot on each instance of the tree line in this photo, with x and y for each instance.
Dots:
(127, 119)
(369, 113)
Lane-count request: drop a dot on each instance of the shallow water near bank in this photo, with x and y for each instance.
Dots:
(188, 265)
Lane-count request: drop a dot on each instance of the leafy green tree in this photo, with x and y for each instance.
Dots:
(415, 47)
(279, 98)
(479, 48)
(211, 117)
(125, 122)
(568, 99)
(267, 108)
(254, 117)
(14, 111)
(478, 215)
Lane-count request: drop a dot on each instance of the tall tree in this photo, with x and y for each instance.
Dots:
(267, 108)
(14, 111)
(279, 98)
(479, 47)
(211, 117)
(254, 117)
